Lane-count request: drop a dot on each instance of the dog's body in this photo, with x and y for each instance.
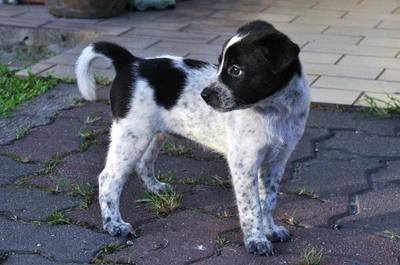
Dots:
(256, 132)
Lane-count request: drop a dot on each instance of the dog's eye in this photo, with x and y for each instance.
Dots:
(235, 71)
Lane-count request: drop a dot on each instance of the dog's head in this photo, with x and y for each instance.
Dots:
(254, 64)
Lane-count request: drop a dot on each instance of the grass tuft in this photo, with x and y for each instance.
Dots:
(57, 218)
(102, 80)
(87, 194)
(163, 204)
(15, 90)
(392, 235)
(220, 242)
(22, 131)
(308, 194)
(381, 108)
(311, 256)
(50, 164)
(172, 149)
(104, 251)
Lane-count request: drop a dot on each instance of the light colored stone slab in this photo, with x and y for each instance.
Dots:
(354, 84)
(365, 23)
(333, 96)
(248, 16)
(357, 31)
(305, 12)
(351, 49)
(35, 69)
(381, 42)
(390, 75)
(370, 61)
(342, 70)
(317, 57)
(389, 25)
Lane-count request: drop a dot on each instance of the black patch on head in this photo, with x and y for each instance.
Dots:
(121, 89)
(166, 80)
(194, 64)
(268, 58)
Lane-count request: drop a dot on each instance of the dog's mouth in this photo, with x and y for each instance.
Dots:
(219, 98)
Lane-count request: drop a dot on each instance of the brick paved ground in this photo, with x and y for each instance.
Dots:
(350, 161)
(349, 47)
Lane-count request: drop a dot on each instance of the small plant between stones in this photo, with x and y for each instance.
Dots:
(391, 234)
(164, 203)
(106, 250)
(22, 131)
(172, 149)
(220, 243)
(311, 256)
(381, 108)
(307, 193)
(57, 218)
(50, 164)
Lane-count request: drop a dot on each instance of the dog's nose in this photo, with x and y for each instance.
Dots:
(205, 94)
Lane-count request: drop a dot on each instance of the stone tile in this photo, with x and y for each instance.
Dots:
(52, 241)
(357, 31)
(351, 49)
(387, 177)
(39, 145)
(70, 59)
(322, 39)
(9, 12)
(311, 78)
(101, 110)
(364, 23)
(221, 30)
(192, 48)
(378, 211)
(332, 95)
(10, 170)
(305, 12)
(68, 25)
(354, 142)
(38, 111)
(337, 5)
(293, 4)
(390, 75)
(321, 58)
(376, 61)
(175, 240)
(381, 42)
(248, 16)
(342, 70)
(389, 25)
(305, 147)
(353, 84)
(238, 6)
(171, 35)
(29, 259)
(35, 69)
(32, 204)
(29, 23)
(68, 71)
(352, 120)
(332, 174)
(171, 26)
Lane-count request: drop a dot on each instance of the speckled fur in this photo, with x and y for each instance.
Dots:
(256, 141)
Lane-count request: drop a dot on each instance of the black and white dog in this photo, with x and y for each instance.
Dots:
(252, 108)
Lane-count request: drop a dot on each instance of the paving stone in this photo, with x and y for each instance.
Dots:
(32, 204)
(378, 211)
(362, 143)
(62, 243)
(96, 109)
(341, 70)
(39, 145)
(332, 174)
(173, 239)
(354, 50)
(331, 95)
(30, 259)
(10, 170)
(38, 111)
(388, 176)
(305, 147)
(353, 120)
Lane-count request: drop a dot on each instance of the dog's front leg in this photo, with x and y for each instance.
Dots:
(244, 177)
(270, 176)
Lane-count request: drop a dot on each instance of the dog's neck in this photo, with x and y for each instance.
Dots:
(286, 100)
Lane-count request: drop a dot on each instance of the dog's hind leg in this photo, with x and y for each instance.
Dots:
(269, 177)
(145, 166)
(128, 143)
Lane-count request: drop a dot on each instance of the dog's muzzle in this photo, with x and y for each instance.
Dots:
(219, 97)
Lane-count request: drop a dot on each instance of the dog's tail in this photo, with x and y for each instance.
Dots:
(120, 57)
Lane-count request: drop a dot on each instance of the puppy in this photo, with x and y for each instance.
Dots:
(252, 108)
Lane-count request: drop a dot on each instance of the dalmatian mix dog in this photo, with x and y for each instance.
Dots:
(251, 107)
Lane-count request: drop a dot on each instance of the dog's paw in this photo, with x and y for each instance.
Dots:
(119, 228)
(278, 234)
(260, 247)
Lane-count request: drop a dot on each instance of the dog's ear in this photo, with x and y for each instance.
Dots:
(279, 50)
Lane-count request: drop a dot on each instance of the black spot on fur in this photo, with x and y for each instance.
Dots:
(108, 219)
(194, 64)
(166, 80)
(121, 89)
